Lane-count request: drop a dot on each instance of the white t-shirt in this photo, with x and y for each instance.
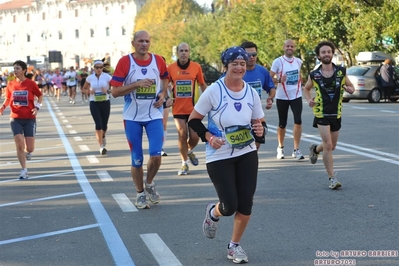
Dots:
(96, 84)
(139, 104)
(291, 67)
(229, 113)
(71, 78)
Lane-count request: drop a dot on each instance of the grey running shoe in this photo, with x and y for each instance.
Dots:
(209, 226)
(312, 155)
(152, 192)
(280, 153)
(193, 158)
(28, 156)
(141, 201)
(297, 155)
(183, 170)
(237, 254)
(23, 174)
(334, 183)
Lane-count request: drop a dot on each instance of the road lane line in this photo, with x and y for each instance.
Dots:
(77, 138)
(40, 199)
(104, 176)
(68, 126)
(84, 147)
(124, 203)
(366, 152)
(72, 132)
(25, 238)
(34, 161)
(160, 250)
(118, 250)
(36, 177)
(92, 159)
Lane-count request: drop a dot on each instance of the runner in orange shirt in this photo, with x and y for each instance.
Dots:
(184, 74)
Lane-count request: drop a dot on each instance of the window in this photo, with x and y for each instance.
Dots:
(1, 20)
(27, 17)
(106, 10)
(59, 35)
(122, 9)
(76, 13)
(91, 11)
(43, 16)
(1, 40)
(28, 38)
(77, 34)
(14, 38)
(123, 31)
(14, 19)
(59, 14)
(44, 37)
(107, 31)
(92, 33)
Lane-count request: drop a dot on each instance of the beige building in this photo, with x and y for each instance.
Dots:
(82, 30)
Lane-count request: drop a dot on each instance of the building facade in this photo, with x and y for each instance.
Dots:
(82, 30)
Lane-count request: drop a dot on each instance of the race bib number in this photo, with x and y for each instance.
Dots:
(71, 79)
(146, 93)
(20, 98)
(239, 136)
(292, 77)
(100, 97)
(257, 85)
(184, 88)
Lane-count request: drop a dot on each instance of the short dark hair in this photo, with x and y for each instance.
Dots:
(22, 64)
(324, 43)
(248, 44)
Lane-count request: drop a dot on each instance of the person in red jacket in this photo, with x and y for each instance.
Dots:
(20, 95)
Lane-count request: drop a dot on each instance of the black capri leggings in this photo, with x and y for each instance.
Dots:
(282, 108)
(100, 112)
(235, 182)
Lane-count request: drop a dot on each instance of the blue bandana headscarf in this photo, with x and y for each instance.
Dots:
(233, 53)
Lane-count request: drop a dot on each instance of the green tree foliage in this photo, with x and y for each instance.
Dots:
(353, 26)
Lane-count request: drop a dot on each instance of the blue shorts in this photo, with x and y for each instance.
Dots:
(134, 135)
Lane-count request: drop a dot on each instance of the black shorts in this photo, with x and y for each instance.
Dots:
(26, 127)
(333, 122)
(184, 117)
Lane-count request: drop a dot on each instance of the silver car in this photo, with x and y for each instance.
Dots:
(365, 79)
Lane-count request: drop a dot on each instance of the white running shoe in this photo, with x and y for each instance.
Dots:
(23, 174)
(297, 155)
(280, 153)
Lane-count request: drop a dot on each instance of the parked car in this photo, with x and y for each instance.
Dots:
(366, 80)
(211, 74)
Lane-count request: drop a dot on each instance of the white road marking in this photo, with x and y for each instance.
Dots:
(117, 248)
(65, 121)
(68, 126)
(124, 203)
(84, 147)
(72, 132)
(159, 250)
(77, 138)
(40, 199)
(25, 238)
(104, 176)
(92, 159)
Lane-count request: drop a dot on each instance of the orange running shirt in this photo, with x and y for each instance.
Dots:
(184, 86)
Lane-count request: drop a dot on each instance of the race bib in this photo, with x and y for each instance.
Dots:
(257, 85)
(146, 93)
(71, 79)
(239, 136)
(292, 77)
(184, 88)
(20, 98)
(100, 96)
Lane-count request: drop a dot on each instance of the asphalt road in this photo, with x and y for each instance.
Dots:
(76, 208)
